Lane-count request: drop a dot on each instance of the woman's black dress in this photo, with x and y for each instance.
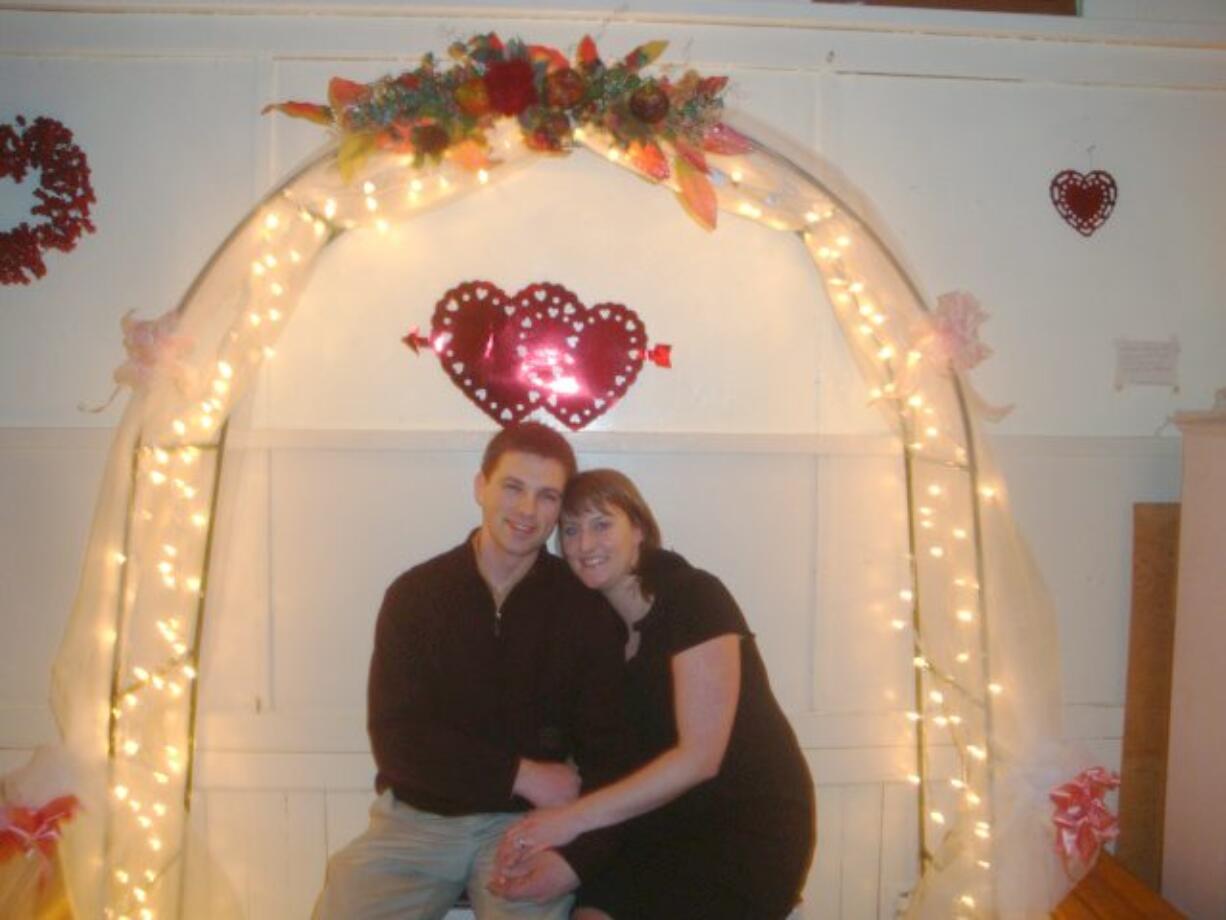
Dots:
(739, 845)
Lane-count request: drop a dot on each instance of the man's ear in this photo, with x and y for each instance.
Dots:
(478, 486)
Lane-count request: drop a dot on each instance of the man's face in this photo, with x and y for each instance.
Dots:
(520, 501)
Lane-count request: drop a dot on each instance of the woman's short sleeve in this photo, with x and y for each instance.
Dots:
(703, 609)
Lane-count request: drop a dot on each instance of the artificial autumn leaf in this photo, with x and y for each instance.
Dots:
(352, 153)
(712, 86)
(648, 159)
(587, 56)
(342, 92)
(320, 114)
(644, 54)
(719, 138)
(551, 57)
(696, 193)
(694, 155)
(396, 137)
(469, 154)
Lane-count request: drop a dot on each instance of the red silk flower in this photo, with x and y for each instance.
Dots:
(510, 86)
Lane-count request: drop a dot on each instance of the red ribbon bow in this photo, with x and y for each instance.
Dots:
(1083, 823)
(23, 830)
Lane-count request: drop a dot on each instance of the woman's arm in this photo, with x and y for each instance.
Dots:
(706, 686)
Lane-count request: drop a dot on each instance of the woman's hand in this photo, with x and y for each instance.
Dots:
(545, 829)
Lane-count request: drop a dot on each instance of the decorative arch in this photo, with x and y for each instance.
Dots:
(987, 709)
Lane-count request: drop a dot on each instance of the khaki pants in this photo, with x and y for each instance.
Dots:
(412, 865)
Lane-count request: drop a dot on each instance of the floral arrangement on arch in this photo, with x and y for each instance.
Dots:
(665, 127)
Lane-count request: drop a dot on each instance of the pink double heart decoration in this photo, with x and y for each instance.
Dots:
(539, 348)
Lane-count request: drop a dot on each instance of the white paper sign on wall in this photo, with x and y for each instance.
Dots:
(1144, 363)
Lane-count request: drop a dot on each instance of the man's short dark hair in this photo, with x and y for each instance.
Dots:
(529, 438)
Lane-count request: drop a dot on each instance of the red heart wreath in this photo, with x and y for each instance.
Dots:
(64, 196)
(541, 348)
(1084, 201)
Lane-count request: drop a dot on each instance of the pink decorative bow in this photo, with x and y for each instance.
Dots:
(152, 346)
(1083, 823)
(23, 830)
(948, 338)
(953, 333)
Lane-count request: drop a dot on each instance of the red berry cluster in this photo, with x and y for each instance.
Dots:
(64, 196)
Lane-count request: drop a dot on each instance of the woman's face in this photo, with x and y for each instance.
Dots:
(602, 546)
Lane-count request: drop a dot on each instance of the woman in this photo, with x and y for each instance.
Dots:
(720, 809)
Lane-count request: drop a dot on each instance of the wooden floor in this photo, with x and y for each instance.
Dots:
(1111, 893)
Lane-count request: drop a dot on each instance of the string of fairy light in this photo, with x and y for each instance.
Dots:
(156, 638)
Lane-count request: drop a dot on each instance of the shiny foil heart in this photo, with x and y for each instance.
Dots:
(538, 349)
(1084, 201)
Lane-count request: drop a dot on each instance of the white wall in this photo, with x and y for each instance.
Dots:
(755, 447)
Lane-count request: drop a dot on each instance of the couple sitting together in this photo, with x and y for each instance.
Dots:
(617, 698)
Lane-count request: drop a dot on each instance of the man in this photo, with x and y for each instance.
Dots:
(491, 668)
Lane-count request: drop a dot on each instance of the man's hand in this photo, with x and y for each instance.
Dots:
(543, 877)
(546, 785)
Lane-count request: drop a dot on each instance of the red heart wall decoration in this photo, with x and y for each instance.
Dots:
(540, 348)
(1084, 201)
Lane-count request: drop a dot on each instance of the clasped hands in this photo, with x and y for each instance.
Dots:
(527, 867)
